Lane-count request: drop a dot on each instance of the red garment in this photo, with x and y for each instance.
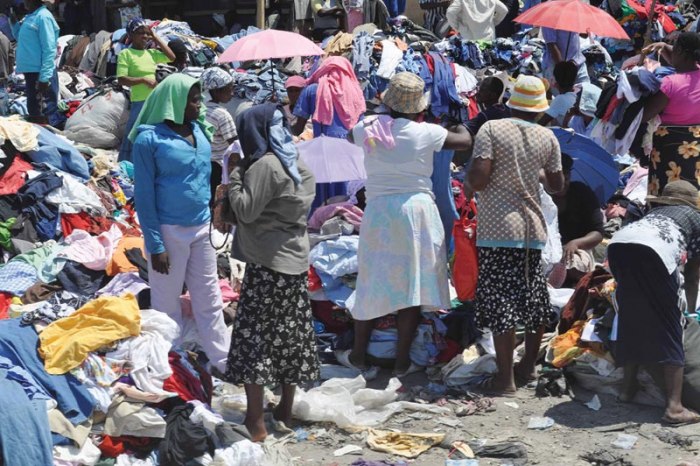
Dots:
(452, 349)
(473, 108)
(336, 320)
(84, 221)
(111, 447)
(431, 64)
(643, 13)
(338, 92)
(465, 271)
(5, 301)
(314, 280)
(187, 386)
(614, 102)
(14, 177)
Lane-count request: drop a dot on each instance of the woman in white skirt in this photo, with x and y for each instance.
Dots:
(402, 252)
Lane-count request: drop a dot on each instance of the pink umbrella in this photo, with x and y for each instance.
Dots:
(332, 160)
(270, 44)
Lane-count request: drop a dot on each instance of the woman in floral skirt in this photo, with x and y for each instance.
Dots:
(676, 152)
(271, 194)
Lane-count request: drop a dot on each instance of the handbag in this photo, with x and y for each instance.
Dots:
(222, 217)
(465, 270)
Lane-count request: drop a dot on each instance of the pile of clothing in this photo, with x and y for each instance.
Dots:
(87, 369)
(620, 108)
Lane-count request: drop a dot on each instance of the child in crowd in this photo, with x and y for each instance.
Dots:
(565, 79)
(219, 83)
(489, 99)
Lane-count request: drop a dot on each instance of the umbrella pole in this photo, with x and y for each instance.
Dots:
(261, 14)
(272, 72)
(650, 28)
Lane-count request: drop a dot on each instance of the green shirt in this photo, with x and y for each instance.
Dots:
(134, 63)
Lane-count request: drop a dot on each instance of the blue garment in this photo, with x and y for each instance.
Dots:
(282, 145)
(444, 93)
(442, 188)
(395, 7)
(60, 154)
(263, 129)
(6, 27)
(19, 344)
(26, 380)
(37, 37)
(305, 108)
(16, 277)
(171, 179)
(126, 147)
(25, 438)
(44, 216)
(568, 43)
(336, 290)
(50, 100)
(362, 48)
(336, 257)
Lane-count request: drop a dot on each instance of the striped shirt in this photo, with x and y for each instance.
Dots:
(224, 129)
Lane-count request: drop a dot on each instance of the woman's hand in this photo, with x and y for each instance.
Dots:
(161, 263)
(657, 47)
(150, 82)
(570, 250)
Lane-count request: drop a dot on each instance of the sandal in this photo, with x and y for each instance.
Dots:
(674, 423)
(343, 357)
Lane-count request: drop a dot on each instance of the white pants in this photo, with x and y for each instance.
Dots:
(192, 262)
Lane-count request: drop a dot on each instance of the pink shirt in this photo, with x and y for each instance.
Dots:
(683, 92)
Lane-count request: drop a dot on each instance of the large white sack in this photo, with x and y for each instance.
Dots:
(100, 121)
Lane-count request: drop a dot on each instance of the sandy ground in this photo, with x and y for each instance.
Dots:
(578, 430)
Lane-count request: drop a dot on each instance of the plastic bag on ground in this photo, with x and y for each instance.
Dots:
(347, 402)
(243, 452)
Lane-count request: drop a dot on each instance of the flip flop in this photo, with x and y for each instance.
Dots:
(671, 423)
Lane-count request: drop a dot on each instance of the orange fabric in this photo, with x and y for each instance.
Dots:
(119, 262)
(564, 347)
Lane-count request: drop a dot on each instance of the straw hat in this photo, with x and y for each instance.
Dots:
(677, 193)
(406, 94)
(528, 95)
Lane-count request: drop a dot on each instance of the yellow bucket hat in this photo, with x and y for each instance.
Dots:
(528, 95)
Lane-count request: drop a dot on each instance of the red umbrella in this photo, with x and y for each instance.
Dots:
(573, 16)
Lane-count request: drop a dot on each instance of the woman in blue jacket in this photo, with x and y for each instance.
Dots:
(172, 154)
(37, 36)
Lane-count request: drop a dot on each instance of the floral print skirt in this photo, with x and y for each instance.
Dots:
(505, 298)
(675, 156)
(273, 337)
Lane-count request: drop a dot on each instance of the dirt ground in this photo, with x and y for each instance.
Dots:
(578, 430)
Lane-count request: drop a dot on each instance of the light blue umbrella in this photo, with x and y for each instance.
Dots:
(593, 165)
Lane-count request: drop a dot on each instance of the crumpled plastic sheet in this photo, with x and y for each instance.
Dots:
(348, 403)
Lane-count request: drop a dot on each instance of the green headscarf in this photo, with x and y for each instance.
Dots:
(167, 102)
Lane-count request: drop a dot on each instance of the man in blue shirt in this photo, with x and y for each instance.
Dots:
(563, 46)
(37, 36)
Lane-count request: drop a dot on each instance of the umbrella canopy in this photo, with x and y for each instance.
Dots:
(270, 44)
(573, 16)
(332, 159)
(593, 165)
